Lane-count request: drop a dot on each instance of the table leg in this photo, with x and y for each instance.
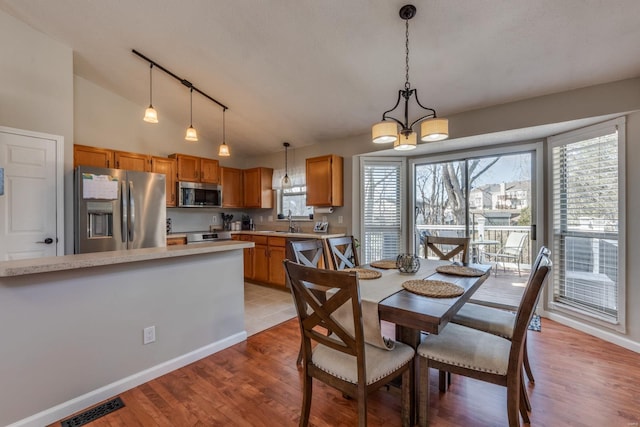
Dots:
(411, 337)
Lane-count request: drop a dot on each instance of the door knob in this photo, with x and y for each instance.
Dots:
(47, 241)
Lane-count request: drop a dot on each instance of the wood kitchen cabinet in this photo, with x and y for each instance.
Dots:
(264, 263)
(168, 167)
(132, 161)
(197, 169)
(84, 155)
(172, 241)
(325, 181)
(232, 191)
(257, 186)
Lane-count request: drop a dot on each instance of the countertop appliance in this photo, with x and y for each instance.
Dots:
(207, 236)
(117, 209)
(199, 195)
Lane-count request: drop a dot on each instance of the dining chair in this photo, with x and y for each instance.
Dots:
(482, 355)
(310, 253)
(447, 247)
(343, 253)
(342, 360)
(499, 322)
(511, 251)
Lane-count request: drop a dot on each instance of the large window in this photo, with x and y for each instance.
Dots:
(587, 202)
(383, 209)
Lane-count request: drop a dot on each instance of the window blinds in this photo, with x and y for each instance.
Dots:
(382, 210)
(586, 221)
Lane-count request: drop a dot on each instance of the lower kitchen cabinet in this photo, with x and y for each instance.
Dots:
(264, 263)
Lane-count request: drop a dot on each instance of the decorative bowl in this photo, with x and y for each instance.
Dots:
(408, 263)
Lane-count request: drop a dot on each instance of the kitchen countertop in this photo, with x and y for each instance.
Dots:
(289, 235)
(95, 259)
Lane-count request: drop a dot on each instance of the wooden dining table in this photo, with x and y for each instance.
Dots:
(413, 313)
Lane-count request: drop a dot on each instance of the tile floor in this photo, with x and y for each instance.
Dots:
(265, 307)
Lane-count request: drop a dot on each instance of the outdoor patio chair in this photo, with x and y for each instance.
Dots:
(511, 251)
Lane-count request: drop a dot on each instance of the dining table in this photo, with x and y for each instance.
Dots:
(414, 314)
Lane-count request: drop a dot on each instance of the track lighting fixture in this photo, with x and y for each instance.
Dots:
(191, 134)
(223, 150)
(286, 181)
(150, 114)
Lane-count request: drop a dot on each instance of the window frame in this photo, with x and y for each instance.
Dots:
(578, 135)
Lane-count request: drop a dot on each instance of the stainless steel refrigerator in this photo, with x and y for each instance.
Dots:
(117, 209)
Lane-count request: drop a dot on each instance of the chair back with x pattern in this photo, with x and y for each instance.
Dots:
(342, 251)
(447, 247)
(309, 252)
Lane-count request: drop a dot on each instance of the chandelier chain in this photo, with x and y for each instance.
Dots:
(407, 85)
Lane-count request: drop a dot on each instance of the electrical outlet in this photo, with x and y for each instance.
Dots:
(270, 218)
(214, 219)
(260, 218)
(149, 335)
(340, 219)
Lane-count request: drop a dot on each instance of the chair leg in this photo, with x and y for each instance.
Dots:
(407, 385)
(527, 365)
(514, 397)
(423, 393)
(525, 395)
(523, 405)
(443, 384)
(307, 390)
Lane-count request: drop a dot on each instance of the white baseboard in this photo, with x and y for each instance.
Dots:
(79, 403)
(596, 332)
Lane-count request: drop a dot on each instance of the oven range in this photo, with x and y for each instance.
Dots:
(208, 236)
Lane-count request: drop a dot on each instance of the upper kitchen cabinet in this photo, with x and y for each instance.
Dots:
(324, 181)
(168, 167)
(132, 161)
(197, 169)
(83, 155)
(232, 192)
(258, 190)
(210, 171)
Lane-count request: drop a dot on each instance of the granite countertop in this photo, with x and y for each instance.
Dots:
(72, 262)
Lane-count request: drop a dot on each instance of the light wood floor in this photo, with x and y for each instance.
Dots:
(580, 381)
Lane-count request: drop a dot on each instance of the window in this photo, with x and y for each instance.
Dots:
(382, 201)
(587, 202)
(294, 199)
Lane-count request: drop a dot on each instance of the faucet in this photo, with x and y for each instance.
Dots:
(292, 226)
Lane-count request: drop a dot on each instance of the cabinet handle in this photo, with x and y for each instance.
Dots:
(107, 163)
(118, 164)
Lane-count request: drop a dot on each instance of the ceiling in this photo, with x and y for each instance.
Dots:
(308, 71)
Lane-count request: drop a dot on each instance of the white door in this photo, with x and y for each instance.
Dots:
(28, 207)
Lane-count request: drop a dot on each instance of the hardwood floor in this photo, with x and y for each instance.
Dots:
(580, 381)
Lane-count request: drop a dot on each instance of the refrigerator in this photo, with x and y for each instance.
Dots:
(116, 209)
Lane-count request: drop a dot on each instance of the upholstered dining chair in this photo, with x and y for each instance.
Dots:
(482, 355)
(499, 322)
(343, 253)
(447, 247)
(310, 253)
(342, 360)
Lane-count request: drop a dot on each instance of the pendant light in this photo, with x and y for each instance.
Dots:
(191, 134)
(432, 128)
(223, 151)
(286, 181)
(150, 114)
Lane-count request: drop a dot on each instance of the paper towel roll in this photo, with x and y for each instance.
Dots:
(322, 210)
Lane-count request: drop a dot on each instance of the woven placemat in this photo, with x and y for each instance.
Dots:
(459, 270)
(385, 264)
(365, 273)
(433, 288)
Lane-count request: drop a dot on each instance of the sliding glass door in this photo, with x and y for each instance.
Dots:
(485, 197)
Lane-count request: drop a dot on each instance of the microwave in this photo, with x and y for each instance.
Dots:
(199, 195)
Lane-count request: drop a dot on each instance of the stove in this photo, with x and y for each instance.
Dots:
(208, 236)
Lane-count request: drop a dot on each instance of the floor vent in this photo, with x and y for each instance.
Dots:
(93, 413)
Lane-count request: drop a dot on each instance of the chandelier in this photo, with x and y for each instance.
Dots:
(432, 128)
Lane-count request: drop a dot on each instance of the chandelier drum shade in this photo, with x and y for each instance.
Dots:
(400, 132)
